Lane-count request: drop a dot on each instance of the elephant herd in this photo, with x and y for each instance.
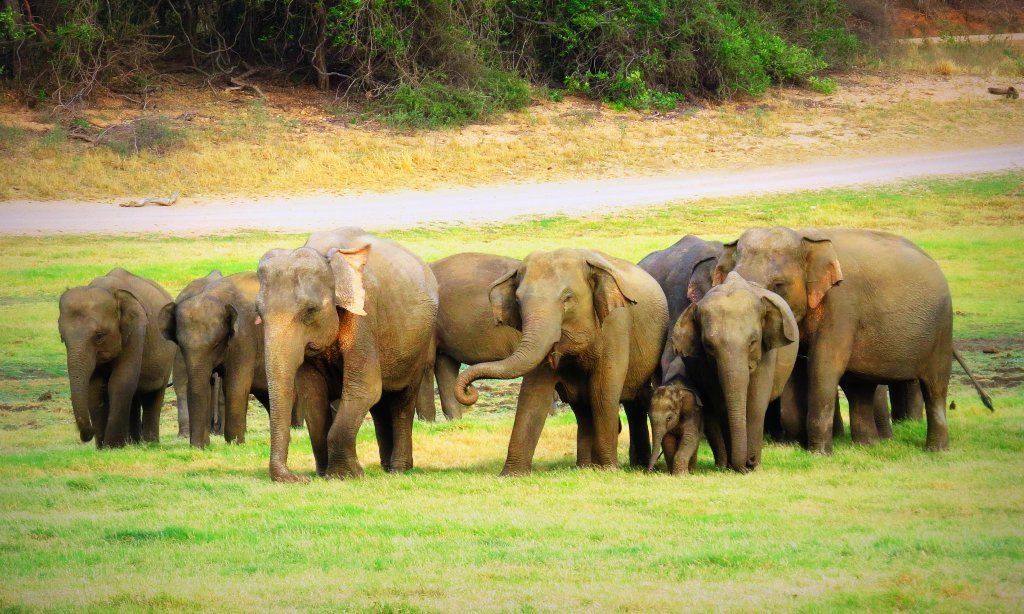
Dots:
(701, 340)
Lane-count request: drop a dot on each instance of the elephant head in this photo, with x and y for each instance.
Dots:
(202, 326)
(95, 324)
(308, 303)
(672, 404)
(801, 266)
(729, 330)
(558, 300)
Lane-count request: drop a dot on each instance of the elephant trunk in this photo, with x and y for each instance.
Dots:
(81, 364)
(657, 435)
(200, 400)
(284, 356)
(540, 334)
(734, 382)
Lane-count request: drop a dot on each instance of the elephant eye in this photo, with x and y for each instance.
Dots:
(100, 335)
(309, 313)
(778, 287)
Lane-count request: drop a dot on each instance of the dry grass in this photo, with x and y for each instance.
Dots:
(242, 147)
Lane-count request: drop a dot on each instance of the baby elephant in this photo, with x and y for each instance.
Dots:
(118, 363)
(739, 343)
(676, 424)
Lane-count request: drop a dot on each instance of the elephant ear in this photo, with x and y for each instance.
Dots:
(779, 327)
(726, 263)
(609, 288)
(130, 313)
(504, 304)
(686, 333)
(348, 265)
(167, 322)
(231, 319)
(822, 270)
(701, 278)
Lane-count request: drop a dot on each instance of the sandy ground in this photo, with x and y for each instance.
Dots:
(488, 203)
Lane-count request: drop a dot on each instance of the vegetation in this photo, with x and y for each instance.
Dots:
(422, 57)
(170, 528)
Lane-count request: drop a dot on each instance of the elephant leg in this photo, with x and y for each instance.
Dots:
(837, 421)
(531, 411)
(124, 379)
(98, 406)
(152, 404)
(880, 407)
(584, 433)
(312, 402)
(862, 412)
(446, 369)
(403, 411)
(236, 382)
(793, 409)
(773, 421)
(606, 389)
(217, 403)
(713, 433)
(135, 420)
(360, 391)
(639, 436)
(759, 392)
(383, 428)
(673, 455)
(825, 365)
(180, 378)
(907, 402)
(934, 386)
(425, 408)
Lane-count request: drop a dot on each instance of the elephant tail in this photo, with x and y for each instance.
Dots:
(987, 400)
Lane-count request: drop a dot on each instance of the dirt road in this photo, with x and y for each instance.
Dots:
(485, 203)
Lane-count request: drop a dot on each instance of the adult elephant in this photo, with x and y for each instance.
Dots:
(118, 363)
(739, 344)
(683, 270)
(213, 322)
(592, 327)
(347, 317)
(465, 329)
(873, 308)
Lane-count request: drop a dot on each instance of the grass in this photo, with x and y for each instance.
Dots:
(170, 528)
(224, 145)
(952, 55)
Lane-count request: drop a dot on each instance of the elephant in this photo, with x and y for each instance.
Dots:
(683, 270)
(872, 308)
(465, 329)
(213, 322)
(118, 363)
(739, 344)
(677, 424)
(348, 320)
(592, 328)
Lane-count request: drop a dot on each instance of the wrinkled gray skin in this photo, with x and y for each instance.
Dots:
(739, 344)
(677, 424)
(683, 271)
(118, 363)
(213, 321)
(465, 329)
(872, 309)
(348, 320)
(592, 327)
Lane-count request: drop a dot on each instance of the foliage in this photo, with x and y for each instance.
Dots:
(432, 60)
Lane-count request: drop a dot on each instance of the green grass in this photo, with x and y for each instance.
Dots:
(170, 528)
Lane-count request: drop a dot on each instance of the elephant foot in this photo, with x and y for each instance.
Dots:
(937, 446)
(820, 449)
(281, 474)
(399, 467)
(344, 473)
(512, 472)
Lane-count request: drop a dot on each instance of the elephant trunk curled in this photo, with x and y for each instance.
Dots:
(540, 334)
(81, 364)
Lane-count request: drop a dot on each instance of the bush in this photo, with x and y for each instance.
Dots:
(434, 104)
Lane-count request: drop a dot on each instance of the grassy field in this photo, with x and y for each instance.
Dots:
(171, 528)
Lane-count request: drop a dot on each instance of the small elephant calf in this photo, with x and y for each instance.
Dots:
(677, 424)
